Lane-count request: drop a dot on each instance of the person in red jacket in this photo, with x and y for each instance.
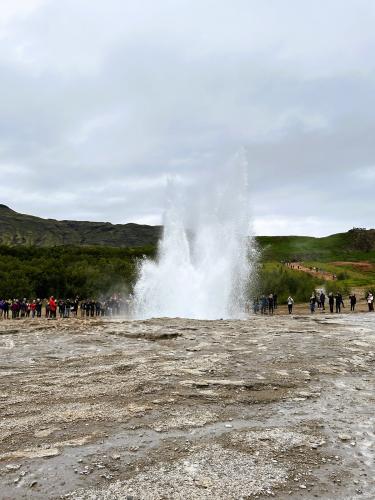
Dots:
(33, 308)
(52, 307)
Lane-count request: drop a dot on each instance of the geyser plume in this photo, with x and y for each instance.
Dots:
(203, 267)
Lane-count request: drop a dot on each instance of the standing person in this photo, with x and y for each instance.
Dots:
(75, 306)
(353, 301)
(61, 308)
(331, 301)
(275, 300)
(52, 307)
(38, 308)
(290, 302)
(263, 302)
(370, 301)
(323, 300)
(6, 307)
(255, 305)
(47, 308)
(98, 306)
(67, 308)
(271, 303)
(33, 308)
(318, 302)
(312, 303)
(339, 302)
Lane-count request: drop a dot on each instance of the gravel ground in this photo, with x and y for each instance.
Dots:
(271, 407)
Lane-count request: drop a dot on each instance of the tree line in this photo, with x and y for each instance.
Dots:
(68, 271)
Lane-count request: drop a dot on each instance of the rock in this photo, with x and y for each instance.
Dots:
(45, 432)
(344, 437)
(12, 467)
(32, 484)
(203, 482)
(31, 453)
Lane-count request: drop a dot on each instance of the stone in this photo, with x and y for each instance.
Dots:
(12, 467)
(344, 437)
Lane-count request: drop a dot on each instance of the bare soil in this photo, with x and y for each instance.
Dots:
(269, 407)
(324, 275)
(360, 265)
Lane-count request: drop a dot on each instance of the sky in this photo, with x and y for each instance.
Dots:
(101, 102)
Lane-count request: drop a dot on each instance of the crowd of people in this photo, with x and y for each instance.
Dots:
(119, 306)
(312, 269)
(63, 308)
(267, 304)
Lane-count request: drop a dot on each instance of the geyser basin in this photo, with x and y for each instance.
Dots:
(205, 258)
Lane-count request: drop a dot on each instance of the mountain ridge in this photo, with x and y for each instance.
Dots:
(18, 229)
(28, 230)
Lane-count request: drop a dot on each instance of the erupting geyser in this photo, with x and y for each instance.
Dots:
(204, 261)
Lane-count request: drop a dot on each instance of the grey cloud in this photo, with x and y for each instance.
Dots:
(100, 103)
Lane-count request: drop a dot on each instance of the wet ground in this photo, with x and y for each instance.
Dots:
(271, 407)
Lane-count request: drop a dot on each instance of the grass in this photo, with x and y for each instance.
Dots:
(338, 247)
(323, 253)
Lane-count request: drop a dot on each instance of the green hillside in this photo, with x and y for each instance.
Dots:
(355, 245)
(21, 229)
(45, 256)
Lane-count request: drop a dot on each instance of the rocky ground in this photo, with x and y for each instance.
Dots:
(280, 407)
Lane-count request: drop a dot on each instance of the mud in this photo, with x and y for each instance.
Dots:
(271, 407)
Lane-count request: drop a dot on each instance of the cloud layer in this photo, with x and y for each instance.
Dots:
(100, 102)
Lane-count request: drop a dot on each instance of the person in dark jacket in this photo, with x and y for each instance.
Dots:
(263, 304)
(331, 302)
(38, 308)
(339, 302)
(353, 301)
(312, 303)
(271, 304)
(323, 300)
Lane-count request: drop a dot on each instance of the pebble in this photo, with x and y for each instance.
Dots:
(344, 437)
(12, 467)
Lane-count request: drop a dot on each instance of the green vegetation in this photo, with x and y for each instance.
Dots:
(283, 281)
(20, 229)
(349, 256)
(40, 257)
(68, 271)
(355, 245)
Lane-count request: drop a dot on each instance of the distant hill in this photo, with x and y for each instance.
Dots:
(356, 244)
(27, 230)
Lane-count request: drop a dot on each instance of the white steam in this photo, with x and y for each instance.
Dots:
(203, 267)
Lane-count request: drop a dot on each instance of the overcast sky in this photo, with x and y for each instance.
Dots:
(102, 101)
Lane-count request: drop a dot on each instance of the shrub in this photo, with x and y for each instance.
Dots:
(286, 282)
(335, 287)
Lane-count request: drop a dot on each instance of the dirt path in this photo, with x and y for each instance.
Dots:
(317, 273)
(272, 407)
